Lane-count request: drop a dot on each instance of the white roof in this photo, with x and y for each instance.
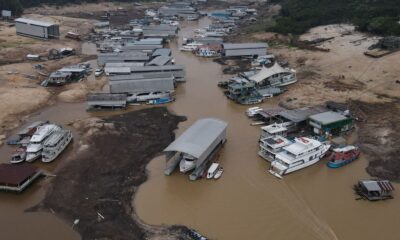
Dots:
(43, 131)
(34, 22)
(299, 146)
(196, 139)
(268, 72)
(345, 149)
(274, 128)
(276, 141)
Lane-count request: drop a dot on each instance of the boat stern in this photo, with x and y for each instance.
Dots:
(277, 169)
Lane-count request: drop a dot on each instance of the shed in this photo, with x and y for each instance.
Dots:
(330, 122)
(59, 78)
(300, 115)
(200, 140)
(124, 84)
(178, 71)
(244, 49)
(36, 28)
(17, 177)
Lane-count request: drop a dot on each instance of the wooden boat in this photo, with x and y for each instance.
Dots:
(219, 172)
(342, 156)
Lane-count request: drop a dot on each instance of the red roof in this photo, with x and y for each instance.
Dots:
(14, 175)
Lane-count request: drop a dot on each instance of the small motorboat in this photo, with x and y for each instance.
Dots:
(343, 155)
(160, 101)
(212, 170)
(219, 172)
(19, 156)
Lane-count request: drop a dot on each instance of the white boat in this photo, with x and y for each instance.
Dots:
(300, 154)
(190, 47)
(271, 146)
(212, 170)
(276, 129)
(187, 163)
(19, 155)
(251, 112)
(219, 172)
(55, 145)
(35, 146)
(146, 96)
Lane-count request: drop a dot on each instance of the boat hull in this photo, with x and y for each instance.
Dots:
(340, 163)
(30, 157)
(47, 159)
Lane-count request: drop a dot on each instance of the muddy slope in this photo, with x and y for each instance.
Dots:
(98, 186)
(379, 136)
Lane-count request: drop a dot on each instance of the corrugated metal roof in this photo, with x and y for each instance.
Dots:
(142, 85)
(158, 68)
(106, 97)
(244, 45)
(197, 138)
(150, 41)
(141, 47)
(149, 75)
(124, 64)
(327, 117)
(161, 27)
(122, 70)
(15, 174)
(159, 61)
(34, 22)
(245, 52)
(301, 114)
(162, 52)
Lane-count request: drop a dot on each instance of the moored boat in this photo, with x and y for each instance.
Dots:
(187, 163)
(342, 156)
(19, 155)
(374, 190)
(160, 101)
(35, 146)
(55, 145)
(300, 154)
(219, 172)
(212, 170)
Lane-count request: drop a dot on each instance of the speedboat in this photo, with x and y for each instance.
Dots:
(342, 156)
(35, 146)
(187, 163)
(212, 170)
(302, 153)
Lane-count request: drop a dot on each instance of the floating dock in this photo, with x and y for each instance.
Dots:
(16, 178)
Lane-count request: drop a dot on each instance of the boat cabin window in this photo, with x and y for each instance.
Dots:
(143, 94)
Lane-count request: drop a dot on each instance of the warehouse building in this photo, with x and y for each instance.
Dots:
(332, 123)
(244, 49)
(178, 71)
(197, 145)
(106, 100)
(133, 84)
(166, 52)
(160, 61)
(104, 58)
(146, 48)
(160, 31)
(36, 29)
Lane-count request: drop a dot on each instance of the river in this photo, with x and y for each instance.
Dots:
(246, 203)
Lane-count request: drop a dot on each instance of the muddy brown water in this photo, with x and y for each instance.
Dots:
(246, 203)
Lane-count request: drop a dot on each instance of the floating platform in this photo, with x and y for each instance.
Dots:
(16, 178)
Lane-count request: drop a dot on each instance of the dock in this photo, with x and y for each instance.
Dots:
(16, 178)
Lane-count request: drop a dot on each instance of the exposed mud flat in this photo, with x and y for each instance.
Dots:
(97, 187)
(379, 137)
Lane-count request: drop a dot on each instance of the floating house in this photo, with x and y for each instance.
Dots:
(59, 78)
(244, 93)
(178, 71)
(374, 190)
(275, 76)
(198, 144)
(244, 49)
(16, 178)
(106, 100)
(329, 123)
(103, 58)
(36, 29)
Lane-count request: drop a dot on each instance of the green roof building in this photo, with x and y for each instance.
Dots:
(330, 122)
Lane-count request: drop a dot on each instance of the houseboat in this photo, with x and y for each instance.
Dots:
(374, 190)
(275, 76)
(271, 146)
(302, 153)
(35, 146)
(55, 145)
(343, 155)
(276, 129)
